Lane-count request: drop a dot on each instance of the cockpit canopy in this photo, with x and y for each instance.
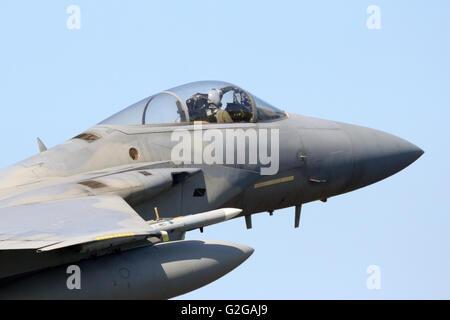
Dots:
(205, 101)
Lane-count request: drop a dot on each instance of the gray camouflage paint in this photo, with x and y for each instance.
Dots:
(318, 159)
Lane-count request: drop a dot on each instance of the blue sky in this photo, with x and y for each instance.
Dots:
(316, 58)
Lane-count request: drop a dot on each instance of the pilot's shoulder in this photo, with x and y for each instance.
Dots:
(223, 117)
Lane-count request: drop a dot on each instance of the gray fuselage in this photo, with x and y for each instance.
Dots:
(318, 159)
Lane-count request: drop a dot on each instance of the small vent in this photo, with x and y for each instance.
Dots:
(317, 180)
(199, 192)
(89, 137)
(145, 173)
(93, 184)
(178, 177)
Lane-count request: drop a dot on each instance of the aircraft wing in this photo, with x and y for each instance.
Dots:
(94, 211)
(94, 223)
(68, 222)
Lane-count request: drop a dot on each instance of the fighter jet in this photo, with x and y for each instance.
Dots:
(104, 214)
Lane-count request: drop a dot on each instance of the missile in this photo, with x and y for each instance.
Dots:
(195, 221)
(160, 271)
(159, 228)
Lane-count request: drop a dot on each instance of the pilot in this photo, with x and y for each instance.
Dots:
(214, 102)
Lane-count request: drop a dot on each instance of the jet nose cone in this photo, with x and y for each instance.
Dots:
(378, 155)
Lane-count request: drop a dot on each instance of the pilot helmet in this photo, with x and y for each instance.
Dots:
(214, 97)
